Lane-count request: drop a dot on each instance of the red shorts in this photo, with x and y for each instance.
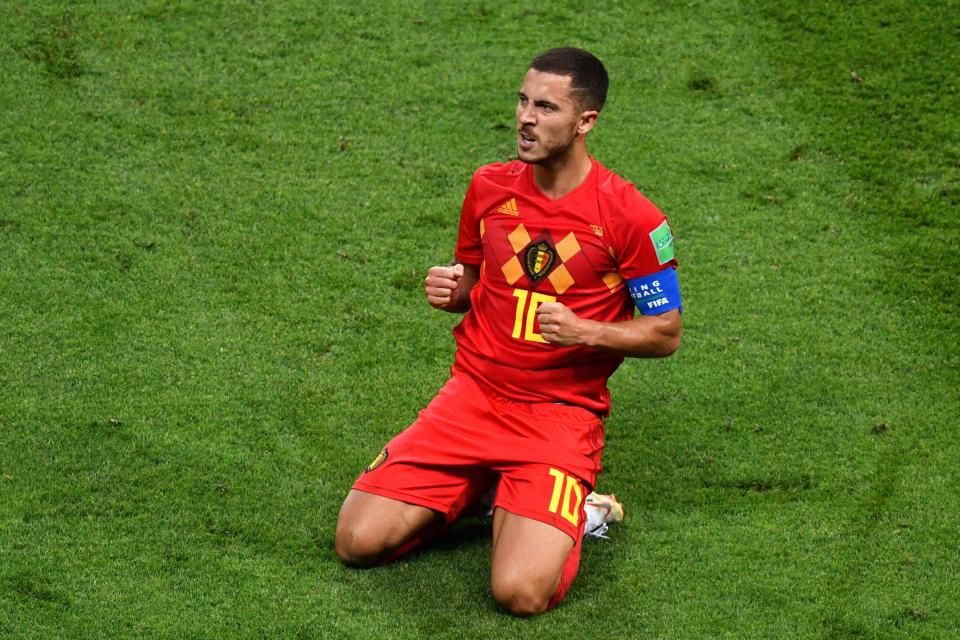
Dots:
(546, 456)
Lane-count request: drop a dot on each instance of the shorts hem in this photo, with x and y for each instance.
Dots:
(540, 517)
(408, 498)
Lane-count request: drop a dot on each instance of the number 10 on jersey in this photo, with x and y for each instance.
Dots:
(523, 323)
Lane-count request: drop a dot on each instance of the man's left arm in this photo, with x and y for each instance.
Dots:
(646, 336)
(642, 242)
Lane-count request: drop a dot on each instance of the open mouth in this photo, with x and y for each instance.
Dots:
(526, 141)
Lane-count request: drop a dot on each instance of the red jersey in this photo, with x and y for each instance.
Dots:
(579, 249)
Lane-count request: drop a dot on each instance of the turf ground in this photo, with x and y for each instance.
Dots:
(214, 219)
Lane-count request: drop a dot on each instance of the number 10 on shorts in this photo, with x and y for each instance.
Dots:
(563, 487)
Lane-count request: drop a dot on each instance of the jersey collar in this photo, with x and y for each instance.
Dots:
(583, 186)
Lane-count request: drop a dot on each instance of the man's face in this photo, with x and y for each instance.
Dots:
(548, 117)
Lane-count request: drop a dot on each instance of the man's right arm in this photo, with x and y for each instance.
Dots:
(448, 288)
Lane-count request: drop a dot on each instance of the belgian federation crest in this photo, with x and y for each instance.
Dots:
(379, 460)
(538, 259)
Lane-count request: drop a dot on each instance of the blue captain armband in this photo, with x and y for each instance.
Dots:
(657, 293)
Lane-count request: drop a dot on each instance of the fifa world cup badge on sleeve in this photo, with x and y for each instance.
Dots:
(662, 240)
(656, 293)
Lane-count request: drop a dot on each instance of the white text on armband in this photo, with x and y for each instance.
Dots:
(656, 293)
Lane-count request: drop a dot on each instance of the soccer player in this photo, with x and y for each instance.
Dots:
(554, 254)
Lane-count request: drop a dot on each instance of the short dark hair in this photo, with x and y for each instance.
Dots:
(588, 77)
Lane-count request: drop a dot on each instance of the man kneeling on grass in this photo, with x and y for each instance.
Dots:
(554, 253)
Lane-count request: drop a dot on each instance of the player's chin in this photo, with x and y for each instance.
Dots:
(528, 156)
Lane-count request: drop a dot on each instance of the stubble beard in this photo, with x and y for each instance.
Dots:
(553, 154)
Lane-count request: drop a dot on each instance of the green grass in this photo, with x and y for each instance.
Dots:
(214, 218)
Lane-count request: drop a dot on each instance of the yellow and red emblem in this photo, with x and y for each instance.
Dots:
(379, 460)
(539, 259)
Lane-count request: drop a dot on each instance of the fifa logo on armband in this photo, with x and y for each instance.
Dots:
(656, 291)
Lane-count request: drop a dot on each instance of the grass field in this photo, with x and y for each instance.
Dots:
(214, 221)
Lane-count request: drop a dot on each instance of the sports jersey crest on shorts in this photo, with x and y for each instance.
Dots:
(378, 460)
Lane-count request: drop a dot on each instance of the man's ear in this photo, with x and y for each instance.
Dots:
(587, 120)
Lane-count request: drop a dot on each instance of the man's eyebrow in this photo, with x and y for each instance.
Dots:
(538, 103)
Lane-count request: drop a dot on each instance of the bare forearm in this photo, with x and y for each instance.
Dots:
(640, 337)
(460, 300)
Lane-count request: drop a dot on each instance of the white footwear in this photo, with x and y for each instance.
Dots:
(601, 510)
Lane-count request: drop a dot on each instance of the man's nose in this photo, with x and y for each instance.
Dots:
(526, 115)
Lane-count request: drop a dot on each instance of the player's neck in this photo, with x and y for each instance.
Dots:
(564, 174)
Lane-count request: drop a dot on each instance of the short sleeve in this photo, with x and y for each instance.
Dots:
(646, 256)
(643, 239)
(469, 248)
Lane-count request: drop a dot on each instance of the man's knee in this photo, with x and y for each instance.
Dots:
(521, 597)
(357, 547)
(372, 529)
(530, 561)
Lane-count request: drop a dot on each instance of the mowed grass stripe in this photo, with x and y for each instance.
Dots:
(896, 580)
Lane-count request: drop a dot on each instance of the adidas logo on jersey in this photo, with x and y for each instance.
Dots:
(509, 207)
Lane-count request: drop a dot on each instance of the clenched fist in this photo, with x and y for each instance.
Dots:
(441, 285)
(559, 325)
